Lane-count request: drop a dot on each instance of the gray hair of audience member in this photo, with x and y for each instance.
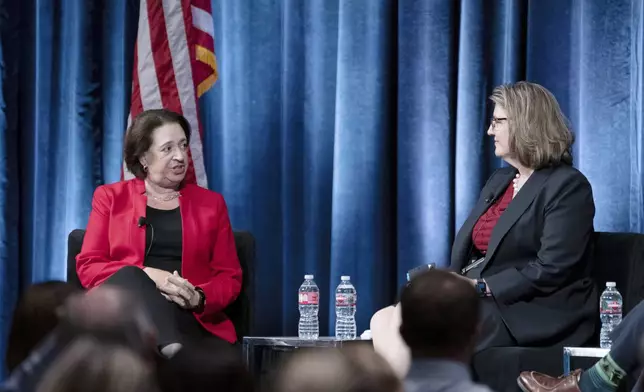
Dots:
(351, 369)
(440, 315)
(111, 315)
(88, 364)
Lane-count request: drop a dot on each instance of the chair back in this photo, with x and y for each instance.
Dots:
(619, 258)
(239, 311)
(74, 245)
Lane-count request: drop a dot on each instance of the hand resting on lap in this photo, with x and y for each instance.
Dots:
(174, 288)
(158, 276)
(180, 291)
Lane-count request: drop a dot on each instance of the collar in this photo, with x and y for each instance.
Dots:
(439, 368)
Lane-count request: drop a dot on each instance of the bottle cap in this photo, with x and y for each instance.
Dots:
(345, 277)
(308, 277)
(610, 284)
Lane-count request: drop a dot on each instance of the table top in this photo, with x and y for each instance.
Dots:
(294, 341)
(592, 352)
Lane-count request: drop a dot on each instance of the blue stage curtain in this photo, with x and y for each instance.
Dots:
(347, 136)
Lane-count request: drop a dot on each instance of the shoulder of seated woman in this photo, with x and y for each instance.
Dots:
(197, 192)
(566, 175)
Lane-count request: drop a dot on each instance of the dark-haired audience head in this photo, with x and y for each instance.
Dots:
(156, 147)
(34, 317)
(351, 369)
(440, 315)
(88, 364)
(198, 368)
(112, 316)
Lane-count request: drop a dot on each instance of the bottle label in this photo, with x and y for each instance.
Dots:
(309, 298)
(342, 299)
(611, 307)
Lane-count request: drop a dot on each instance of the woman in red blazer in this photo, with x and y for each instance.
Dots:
(169, 242)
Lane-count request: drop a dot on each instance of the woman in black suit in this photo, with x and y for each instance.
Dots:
(526, 245)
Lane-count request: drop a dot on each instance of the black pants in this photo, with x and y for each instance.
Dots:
(173, 324)
(493, 332)
(626, 340)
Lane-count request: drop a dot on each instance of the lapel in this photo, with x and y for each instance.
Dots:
(492, 191)
(139, 204)
(188, 229)
(515, 210)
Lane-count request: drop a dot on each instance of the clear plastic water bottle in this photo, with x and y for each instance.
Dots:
(345, 309)
(610, 310)
(309, 303)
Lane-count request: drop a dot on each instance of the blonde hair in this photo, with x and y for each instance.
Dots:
(539, 133)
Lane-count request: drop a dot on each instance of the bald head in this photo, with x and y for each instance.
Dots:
(102, 307)
(354, 368)
(111, 315)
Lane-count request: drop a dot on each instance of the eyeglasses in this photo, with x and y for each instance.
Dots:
(497, 120)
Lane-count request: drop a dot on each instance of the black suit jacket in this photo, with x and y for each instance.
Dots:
(538, 264)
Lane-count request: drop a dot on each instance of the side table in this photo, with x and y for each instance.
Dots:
(586, 352)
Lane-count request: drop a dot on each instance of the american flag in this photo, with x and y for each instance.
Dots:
(174, 65)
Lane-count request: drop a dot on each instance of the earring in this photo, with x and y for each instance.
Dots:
(145, 168)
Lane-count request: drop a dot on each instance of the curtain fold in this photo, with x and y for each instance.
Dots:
(348, 136)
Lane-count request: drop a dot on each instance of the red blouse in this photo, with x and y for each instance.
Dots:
(483, 228)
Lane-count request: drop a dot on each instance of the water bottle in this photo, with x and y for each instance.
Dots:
(309, 304)
(345, 309)
(610, 310)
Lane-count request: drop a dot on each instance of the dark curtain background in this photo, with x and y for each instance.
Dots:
(347, 135)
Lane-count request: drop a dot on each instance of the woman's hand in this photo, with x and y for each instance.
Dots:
(158, 276)
(470, 281)
(180, 291)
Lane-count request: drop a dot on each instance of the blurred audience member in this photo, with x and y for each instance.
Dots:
(109, 314)
(197, 368)
(440, 315)
(351, 369)
(34, 317)
(91, 365)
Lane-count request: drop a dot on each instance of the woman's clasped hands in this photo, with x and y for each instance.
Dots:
(175, 288)
(180, 291)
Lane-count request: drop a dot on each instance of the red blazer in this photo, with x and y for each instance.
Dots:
(209, 260)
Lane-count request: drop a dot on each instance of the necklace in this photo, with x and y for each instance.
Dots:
(517, 182)
(169, 197)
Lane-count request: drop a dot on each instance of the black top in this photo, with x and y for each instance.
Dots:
(163, 231)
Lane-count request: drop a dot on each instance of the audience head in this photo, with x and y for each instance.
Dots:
(197, 368)
(529, 127)
(88, 364)
(34, 317)
(439, 316)
(351, 369)
(112, 316)
(156, 147)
